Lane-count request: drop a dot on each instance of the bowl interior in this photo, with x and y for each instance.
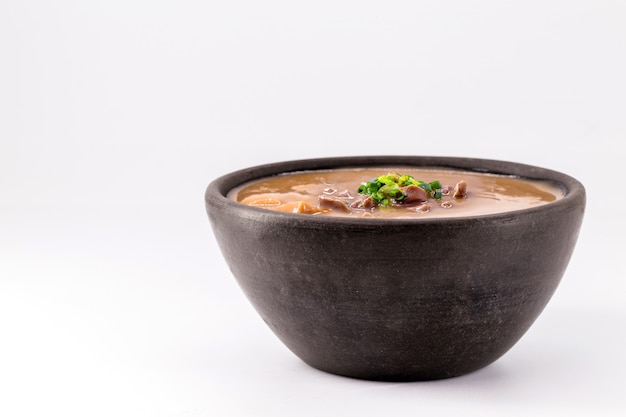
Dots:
(220, 187)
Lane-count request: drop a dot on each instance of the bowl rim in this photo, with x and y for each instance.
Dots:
(216, 193)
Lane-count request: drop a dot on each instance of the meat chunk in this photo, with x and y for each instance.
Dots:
(300, 207)
(460, 190)
(366, 204)
(414, 195)
(332, 203)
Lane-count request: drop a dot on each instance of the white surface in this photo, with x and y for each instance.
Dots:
(115, 115)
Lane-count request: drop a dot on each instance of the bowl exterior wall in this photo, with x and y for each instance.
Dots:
(398, 300)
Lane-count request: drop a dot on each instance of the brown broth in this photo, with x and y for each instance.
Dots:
(486, 193)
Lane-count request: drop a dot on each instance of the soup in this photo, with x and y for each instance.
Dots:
(394, 192)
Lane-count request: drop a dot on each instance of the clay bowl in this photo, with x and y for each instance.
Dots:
(324, 287)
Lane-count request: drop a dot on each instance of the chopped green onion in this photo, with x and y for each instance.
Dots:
(435, 185)
(386, 189)
(425, 187)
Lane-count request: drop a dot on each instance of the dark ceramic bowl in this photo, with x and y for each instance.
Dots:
(325, 287)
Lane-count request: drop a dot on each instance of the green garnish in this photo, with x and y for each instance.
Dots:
(386, 190)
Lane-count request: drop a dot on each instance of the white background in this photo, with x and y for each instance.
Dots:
(115, 115)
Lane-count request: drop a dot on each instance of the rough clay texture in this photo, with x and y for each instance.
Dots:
(398, 300)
